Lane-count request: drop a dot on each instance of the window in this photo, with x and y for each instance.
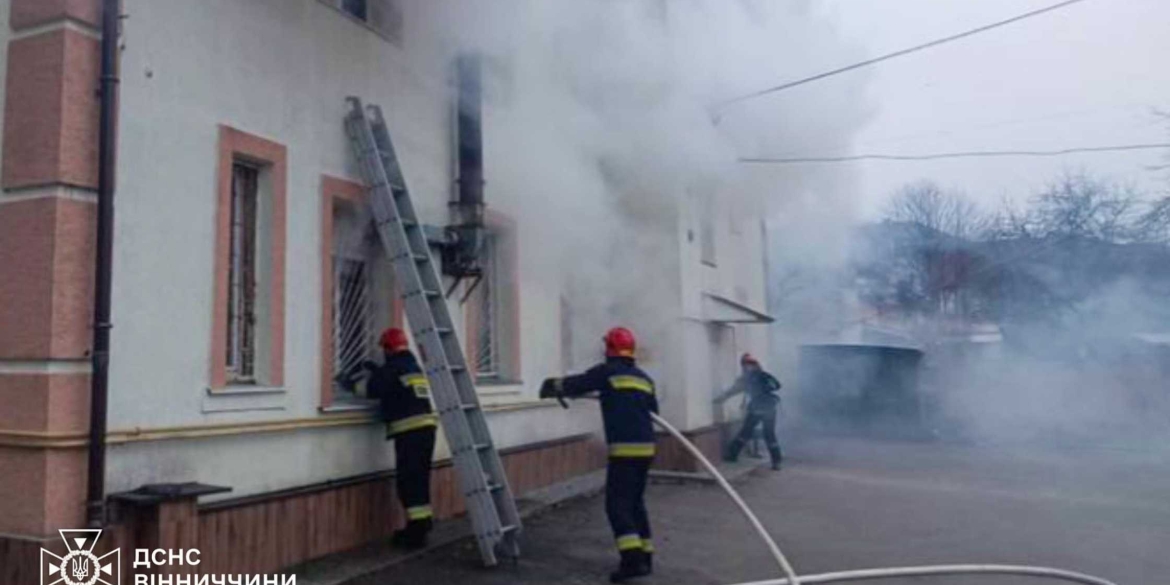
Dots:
(382, 16)
(352, 337)
(241, 305)
(707, 228)
(355, 8)
(247, 331)
(362, 299)
(487, 327)
(566, 335)
(492, 311)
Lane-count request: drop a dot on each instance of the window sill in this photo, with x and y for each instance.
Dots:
(244, 399)
(495, 382)
(348, 407)
(244, 390)
(519, 405)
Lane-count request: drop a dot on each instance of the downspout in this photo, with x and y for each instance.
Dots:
(99, 380)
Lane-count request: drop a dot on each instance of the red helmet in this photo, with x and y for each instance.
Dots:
(749, 360)
(394, 339)
(619, 342)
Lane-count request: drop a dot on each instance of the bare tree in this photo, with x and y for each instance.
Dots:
(1154, 225)
(1078, 205)
(926, 205)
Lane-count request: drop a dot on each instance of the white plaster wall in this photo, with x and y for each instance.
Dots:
(739, 264)
(279, 69)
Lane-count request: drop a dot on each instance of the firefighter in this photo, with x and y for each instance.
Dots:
(761, 389)
(627, 398)
(404, 393)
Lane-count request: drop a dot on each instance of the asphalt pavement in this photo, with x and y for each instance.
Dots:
(843, 504)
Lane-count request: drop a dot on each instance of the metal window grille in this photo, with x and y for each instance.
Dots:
(352, 332)
(487, 334)
(241, 321)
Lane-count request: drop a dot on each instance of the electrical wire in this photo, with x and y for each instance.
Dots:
(791, 84)
(953, 155)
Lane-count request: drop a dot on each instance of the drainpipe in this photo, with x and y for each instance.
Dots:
(99, 380)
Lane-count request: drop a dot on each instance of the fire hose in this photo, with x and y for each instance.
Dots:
(791, 578)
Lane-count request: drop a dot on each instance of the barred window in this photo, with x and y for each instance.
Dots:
(353, 337)
(241, 321)
(363, 297)
(487, 332)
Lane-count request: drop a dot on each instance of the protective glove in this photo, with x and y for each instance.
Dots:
(550, 388)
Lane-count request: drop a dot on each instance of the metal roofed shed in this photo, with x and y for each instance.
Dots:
(861, 389)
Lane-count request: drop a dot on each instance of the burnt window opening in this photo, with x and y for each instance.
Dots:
(242, 278)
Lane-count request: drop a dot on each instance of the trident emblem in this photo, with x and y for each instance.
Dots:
(80, 568)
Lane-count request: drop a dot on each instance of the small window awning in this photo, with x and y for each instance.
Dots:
(717, 309)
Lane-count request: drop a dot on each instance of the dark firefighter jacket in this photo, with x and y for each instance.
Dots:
(761, 390)
(627, 399)
(404, 393)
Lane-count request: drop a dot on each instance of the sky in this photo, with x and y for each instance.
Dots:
(1087, 75)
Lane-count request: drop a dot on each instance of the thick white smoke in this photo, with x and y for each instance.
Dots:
(599, 125)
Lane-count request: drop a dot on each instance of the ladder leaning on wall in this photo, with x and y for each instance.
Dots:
(489, 500)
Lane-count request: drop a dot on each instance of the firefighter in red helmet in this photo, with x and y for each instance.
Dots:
(761, 389)
(627, 398)
(404, 393)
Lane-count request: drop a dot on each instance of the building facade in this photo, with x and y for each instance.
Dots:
(246, 279)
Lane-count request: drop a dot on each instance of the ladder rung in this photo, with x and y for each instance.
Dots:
(457, 368)
(444, 330)
(507, 529)
(482, 446)
(495, 487)
(421, 257)
(469, 406)
(434, 294)
(409, 223)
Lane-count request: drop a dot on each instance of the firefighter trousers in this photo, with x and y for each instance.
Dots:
(768, 420)
(625, 502)
(413, 452)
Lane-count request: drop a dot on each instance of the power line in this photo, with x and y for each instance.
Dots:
(791, 84)
(946, 155)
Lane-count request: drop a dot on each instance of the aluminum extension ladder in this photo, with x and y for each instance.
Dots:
(477, 463)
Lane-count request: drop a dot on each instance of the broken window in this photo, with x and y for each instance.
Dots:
(241, 321)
